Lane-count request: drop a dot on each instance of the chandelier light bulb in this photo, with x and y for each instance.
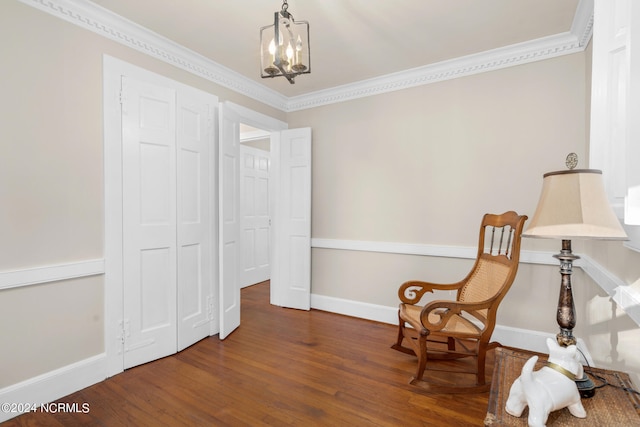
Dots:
(289, 52)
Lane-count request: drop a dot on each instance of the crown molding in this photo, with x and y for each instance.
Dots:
(509, 56)
(573, 41)
(582, 26)
(104, 22)
(95, 18)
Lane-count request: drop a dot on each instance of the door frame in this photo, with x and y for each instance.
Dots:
(113, 69)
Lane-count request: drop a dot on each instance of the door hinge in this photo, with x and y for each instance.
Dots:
(209, 118)
(120, 336)
(123, 99)
(210, 307)
(125, 330)
(123, 94)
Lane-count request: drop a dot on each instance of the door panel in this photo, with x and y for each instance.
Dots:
(156, 288)
(291, 261)
(229, 154)
(255, 216)
(149, 221)
(194, 141)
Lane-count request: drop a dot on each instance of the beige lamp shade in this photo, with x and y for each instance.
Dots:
(574, 205)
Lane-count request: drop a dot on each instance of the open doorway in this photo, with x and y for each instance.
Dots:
(289, 206)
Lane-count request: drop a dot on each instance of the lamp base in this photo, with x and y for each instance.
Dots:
(586, 387)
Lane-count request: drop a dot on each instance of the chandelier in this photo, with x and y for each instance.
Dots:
(284, 47)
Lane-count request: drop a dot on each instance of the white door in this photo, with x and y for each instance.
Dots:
(149, 221)
(291, 221)
(194, 142)
(229, 218)
(254, 215)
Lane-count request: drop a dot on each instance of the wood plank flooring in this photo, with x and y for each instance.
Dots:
(282, 367)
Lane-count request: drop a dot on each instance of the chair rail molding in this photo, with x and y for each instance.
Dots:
(464, 252)
(627, 297)
(112, 26)
(50, 273)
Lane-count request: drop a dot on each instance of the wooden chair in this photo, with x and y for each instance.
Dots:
(462, 328)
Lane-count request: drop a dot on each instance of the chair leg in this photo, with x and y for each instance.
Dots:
(481, 357)
(400, 331)
(401, 336)
(422, 357)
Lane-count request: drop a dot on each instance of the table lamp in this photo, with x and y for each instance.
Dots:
(573, 205)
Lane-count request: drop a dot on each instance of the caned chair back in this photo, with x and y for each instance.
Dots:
(497, 261)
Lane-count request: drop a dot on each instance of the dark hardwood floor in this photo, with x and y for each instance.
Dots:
(281, 367)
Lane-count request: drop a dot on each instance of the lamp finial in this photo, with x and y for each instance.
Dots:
(571, 161)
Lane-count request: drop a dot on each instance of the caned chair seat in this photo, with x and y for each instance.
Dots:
(464, 325)
(455, 325)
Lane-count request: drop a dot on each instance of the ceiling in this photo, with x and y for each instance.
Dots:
(351, 40)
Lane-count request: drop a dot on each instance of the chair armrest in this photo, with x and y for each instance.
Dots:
(446, 309)
(412, 291)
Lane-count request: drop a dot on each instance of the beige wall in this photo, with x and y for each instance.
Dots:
(45, 327)
(51, 183)
(423, 165)
(420, 165)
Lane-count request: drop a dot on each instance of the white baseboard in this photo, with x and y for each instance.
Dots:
(52, 385)
(362, 310)
(533, 341)
(512, 337)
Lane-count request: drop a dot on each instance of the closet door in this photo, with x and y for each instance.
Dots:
(149, 221)
(195, 141)
(160, 215)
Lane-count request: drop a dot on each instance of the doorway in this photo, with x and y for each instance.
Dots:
(289, 207)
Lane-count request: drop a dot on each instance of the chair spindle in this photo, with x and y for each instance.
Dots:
(508, 254)
(493, 232)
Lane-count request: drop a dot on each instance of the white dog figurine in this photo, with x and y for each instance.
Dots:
(551, 388)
